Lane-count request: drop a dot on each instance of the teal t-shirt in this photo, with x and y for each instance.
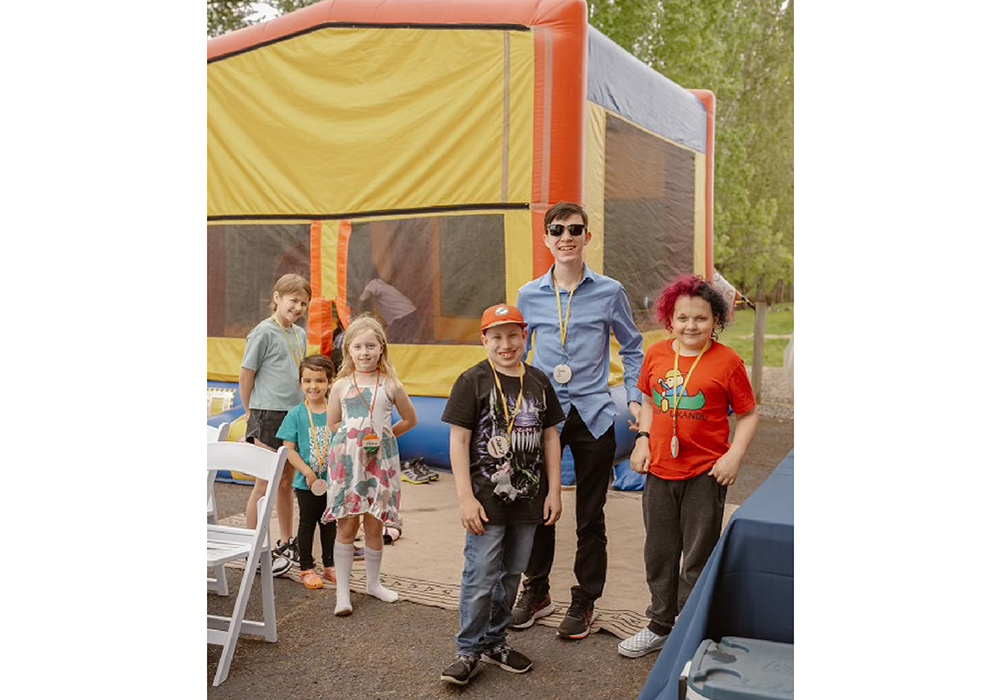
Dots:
(295, 428)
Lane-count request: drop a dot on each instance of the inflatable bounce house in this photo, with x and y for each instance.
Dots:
(414, 146)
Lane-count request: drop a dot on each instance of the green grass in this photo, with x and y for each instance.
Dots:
(738, 334)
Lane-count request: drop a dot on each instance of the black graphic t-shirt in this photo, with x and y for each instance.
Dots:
(511, 488)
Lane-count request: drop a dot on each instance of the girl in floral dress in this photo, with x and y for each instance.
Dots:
(364, 457)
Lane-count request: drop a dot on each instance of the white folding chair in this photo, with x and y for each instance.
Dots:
(227, 543)
(217, 581)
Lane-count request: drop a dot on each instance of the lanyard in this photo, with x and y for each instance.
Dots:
(371, 409)
(503, 398)
(563, 325)
(682, 388)
(295, 356)
(318, 456)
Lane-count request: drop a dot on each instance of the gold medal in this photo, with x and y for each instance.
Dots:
(681, 390)
(497, 446)
(320, 453)
(562, 373)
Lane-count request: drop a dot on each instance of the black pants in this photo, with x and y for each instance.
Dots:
(311, 507)
(593, 460)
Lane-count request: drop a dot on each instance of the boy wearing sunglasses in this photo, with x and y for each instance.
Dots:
(571, 312)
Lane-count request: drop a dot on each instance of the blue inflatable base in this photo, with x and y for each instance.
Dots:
(430, 438)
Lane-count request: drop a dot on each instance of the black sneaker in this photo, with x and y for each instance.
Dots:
(530, 607)
(507, 659)
(279, 564)
(289, 549)
(579, 618)
(461, 670)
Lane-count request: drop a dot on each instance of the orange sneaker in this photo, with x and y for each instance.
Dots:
(330, 574)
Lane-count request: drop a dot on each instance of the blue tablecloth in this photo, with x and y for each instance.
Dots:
(747, 586)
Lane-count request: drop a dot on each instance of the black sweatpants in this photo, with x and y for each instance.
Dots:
(679, 516)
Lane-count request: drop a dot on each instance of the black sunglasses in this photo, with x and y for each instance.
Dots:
(574, 229)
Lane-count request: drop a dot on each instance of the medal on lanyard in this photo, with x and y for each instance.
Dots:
(318, 456)
(499, 445)
(296, 357)
(370, 441)
(561, 372)
(675, 443)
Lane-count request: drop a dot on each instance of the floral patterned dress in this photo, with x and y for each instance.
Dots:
(361, 482)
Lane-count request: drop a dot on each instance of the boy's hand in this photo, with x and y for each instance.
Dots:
(634, 408)
(726, 469)
(640, 457)
(552, 510)
(473, 515)
(310, 477)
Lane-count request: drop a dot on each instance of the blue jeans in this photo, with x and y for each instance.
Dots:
(494, 562)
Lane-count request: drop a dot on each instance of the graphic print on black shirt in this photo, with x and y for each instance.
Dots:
(517, 474)
(511, 488)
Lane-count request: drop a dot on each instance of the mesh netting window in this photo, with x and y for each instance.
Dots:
(648, 214)
(244, 262)
(428, 279)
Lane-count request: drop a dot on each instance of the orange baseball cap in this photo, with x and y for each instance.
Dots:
(501, 314)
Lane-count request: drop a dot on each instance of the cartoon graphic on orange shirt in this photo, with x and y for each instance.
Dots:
(671, 383)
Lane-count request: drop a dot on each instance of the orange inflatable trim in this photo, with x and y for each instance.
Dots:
(708, 99)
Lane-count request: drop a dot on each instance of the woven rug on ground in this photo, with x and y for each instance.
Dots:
(425, 564)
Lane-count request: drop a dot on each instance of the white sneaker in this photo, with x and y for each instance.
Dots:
(641, 643)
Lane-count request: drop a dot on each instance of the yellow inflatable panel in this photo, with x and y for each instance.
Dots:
(449, 125)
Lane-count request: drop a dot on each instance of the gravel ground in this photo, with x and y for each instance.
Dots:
(397, 651)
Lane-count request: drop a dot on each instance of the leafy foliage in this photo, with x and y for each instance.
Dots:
(742, 50)
(230, 15)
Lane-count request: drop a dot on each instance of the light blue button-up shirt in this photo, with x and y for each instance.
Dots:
(600, 307)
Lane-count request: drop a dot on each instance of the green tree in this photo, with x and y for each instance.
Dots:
(742, 50)
(230, 15)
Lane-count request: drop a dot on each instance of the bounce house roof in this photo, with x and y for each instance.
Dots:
(620, 82)
(493, 14)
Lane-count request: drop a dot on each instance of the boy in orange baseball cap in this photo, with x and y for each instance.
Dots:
(506, 457)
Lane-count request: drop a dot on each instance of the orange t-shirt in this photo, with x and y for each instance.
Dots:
(719, 381)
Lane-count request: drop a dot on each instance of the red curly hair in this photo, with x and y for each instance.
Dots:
(691, 286)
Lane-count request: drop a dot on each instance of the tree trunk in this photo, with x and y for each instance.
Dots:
(759, 328)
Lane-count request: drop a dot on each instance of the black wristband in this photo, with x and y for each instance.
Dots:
(642, 433)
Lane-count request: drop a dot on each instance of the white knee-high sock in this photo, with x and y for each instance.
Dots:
(343, 558)
(373, 564)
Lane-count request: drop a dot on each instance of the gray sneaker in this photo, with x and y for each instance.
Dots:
(641, 643)
(461, 670)
(411, 473)
(424, 470)
(530, 607)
